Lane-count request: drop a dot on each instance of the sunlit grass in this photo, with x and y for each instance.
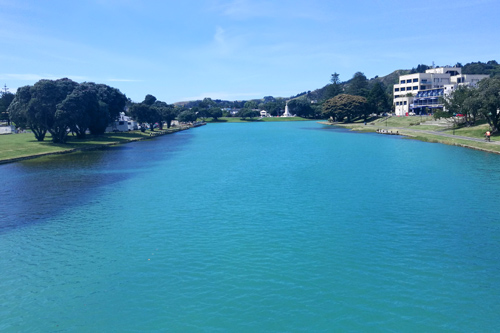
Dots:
(24, 144)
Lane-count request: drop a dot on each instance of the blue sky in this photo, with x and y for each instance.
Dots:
(236, 49)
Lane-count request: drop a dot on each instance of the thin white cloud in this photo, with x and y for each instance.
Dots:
(243, 9)
(123, 80)
(251, 9)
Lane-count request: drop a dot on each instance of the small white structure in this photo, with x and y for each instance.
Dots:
(287, 113)
(264, 113)
(7, 129)
(122, 124)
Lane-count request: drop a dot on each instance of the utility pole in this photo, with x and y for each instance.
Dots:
(5, 89)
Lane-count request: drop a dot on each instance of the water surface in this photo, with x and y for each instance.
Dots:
(253, 227)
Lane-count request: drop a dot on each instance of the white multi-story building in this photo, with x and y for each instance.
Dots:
(420, 92)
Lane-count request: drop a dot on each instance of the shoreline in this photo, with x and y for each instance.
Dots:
(100, 146)
(423, 136)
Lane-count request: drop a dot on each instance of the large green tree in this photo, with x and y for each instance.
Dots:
(78, 109)
(335, 88)
(36, 106)
(378, 98)
(187, 116)
(215, 113)
(300, 107)
(247, 113)
(489, 97)
(166, 112)
(345, 107)
(18, 112)
(111, 102)
(145, 112)
(274, 107)
(459, 102)
(358, 85)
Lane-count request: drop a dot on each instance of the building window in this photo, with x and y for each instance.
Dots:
(402, 88)
(422, 87)
(408, 81)
(396, 89)
(397, 103)
(405, 102)
(415, 80)
(402, 81)
(396, 96)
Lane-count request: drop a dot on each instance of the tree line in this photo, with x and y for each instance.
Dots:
(355, 99)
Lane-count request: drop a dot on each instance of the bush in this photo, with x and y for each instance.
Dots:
(441, 114)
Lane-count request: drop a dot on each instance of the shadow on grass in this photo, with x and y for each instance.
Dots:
(250, 119)
(217, 121)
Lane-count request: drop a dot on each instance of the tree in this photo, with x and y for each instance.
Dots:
(251, 105)
(345, 107)
(166, 113)
(5, 101)
(300, 107)
(78, 109)
(335, 88)
(274, 107)
(358, 85)
(456, 102)
(378, 99)
(18, 111)
(149, 100)
(420, 69)
(144, 113)
(45, 96)
(247, 113)
(36, 107)
(216, 113)
(111, 102)
(187, 116)
(489, 97)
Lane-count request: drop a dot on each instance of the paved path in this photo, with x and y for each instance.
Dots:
(406, 129)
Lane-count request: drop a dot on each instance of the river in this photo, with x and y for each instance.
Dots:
(288, 226)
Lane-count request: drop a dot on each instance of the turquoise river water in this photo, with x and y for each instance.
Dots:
(253, 227)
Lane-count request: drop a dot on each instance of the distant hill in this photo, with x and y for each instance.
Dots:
(491, 68)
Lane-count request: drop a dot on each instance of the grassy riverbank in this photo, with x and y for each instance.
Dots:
(426, 129)
(248, 120)
(14, 147)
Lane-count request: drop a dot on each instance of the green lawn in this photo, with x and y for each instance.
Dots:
(474, 131)
(412, 123)
(401, 121)
(455, 142)
(25, 144)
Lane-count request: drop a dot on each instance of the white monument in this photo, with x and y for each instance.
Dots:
(287, 113)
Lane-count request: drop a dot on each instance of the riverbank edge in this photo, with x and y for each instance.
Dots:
(98, 147)
(424, 137)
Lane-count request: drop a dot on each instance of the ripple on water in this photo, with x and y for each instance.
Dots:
(256, 227)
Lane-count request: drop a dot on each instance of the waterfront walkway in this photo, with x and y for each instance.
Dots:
(439, 133)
